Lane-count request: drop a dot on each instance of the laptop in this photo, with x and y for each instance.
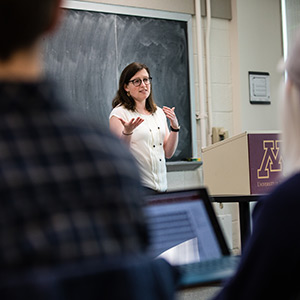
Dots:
(185, 231)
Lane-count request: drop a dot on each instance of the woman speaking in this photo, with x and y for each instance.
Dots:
(137, 120)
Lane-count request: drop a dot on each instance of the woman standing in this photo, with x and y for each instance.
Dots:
(137, 120)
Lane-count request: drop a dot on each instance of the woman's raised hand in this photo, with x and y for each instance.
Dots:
(170, 114)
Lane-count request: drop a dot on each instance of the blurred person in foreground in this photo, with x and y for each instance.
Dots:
(270, 263)
(67, 193)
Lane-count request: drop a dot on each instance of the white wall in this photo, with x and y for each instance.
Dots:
(259, 48)
(221, 75)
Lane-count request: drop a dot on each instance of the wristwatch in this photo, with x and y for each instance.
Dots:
(173, 129)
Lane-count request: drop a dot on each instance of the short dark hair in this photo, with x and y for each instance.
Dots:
(122, 98)
(22, 22)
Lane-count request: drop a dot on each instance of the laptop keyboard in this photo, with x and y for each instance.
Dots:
(209, 271)
(208, 266)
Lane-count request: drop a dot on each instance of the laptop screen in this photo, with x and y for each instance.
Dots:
(183, 227)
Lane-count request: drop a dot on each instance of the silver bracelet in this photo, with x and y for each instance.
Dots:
(127, 133)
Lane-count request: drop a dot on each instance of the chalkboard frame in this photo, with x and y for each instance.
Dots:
(141, 12)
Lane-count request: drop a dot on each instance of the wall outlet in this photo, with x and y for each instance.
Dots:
(219, 134)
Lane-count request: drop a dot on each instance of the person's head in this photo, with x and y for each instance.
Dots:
(24, 22)
(290, 112)
(134, 85)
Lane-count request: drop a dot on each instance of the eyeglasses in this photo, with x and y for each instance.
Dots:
(138, 82)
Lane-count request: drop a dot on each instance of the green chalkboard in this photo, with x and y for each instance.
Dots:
(90, 49)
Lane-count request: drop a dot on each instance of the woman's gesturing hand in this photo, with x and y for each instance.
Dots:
(170, 114)
(131, 125)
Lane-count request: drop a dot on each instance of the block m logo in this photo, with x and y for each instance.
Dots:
(272, 160)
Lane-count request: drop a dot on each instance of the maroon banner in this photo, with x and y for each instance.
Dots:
(265, 162)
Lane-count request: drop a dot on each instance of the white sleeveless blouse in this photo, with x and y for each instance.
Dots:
(146, 146)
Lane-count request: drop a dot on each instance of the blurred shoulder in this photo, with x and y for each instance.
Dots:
(282, 199)
(287, 190)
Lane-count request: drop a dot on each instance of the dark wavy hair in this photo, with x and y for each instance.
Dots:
(22, 22)
(122, 98)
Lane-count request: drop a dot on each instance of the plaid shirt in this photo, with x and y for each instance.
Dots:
(67, 192)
